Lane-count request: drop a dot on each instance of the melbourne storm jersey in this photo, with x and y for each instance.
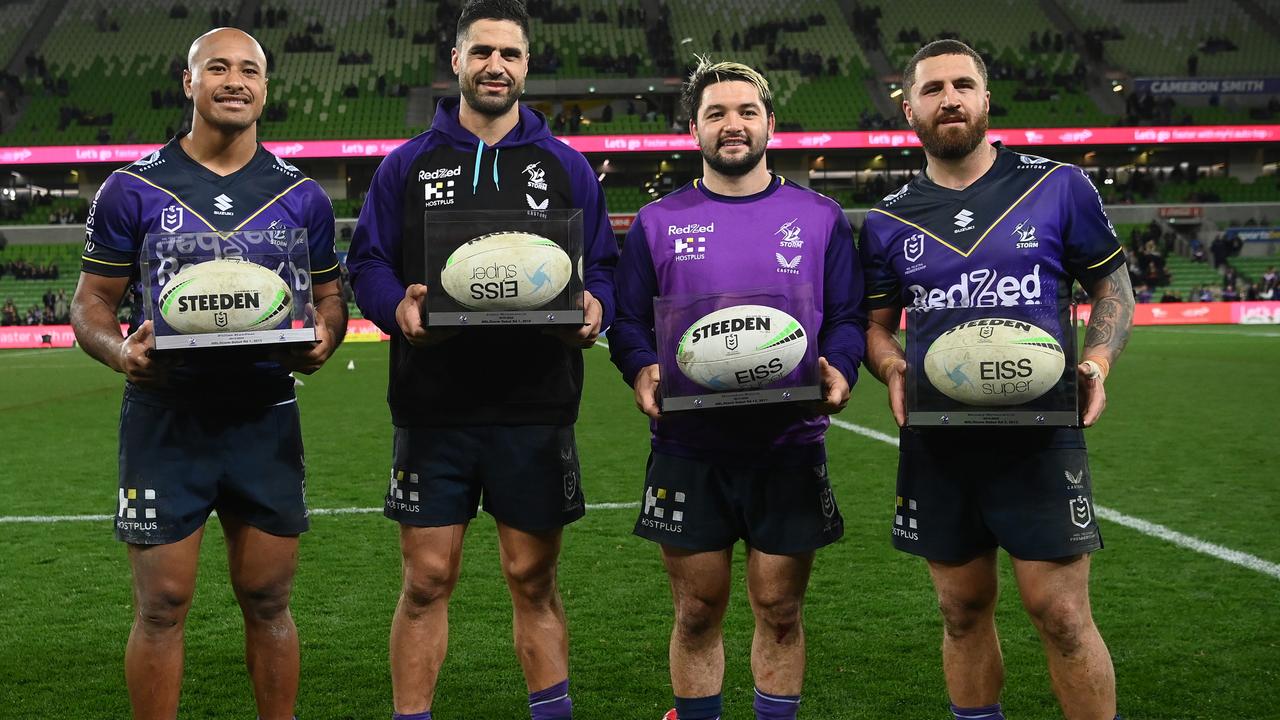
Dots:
(1009, 245)
(484, 375)
(168, 192)
(694, 241)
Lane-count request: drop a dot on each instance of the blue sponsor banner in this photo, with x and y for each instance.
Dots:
(1208, 86)
(1248, 234)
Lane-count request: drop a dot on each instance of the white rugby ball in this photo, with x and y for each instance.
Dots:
(994, 361)
(506, 271)
(743, 347)
(226, 295)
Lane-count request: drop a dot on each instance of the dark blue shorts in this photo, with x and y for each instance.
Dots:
(178, 465)
(963, 492)
(702, 506)
(527, 475)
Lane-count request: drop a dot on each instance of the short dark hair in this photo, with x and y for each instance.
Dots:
(709, 73)
(935, 49)
(474, 10)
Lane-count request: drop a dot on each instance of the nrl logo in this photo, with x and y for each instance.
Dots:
(913, 247)
(171, 218)
(1081, 513)
(731, 342)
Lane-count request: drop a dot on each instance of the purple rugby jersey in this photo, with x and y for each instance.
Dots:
(693, 242)
(168, 192)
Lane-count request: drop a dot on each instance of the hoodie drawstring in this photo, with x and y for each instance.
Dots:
(475, 174)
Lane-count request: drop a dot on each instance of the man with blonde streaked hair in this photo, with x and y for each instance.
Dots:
(756, 474)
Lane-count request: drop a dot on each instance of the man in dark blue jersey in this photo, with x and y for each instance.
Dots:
(220, 431)
(481, 412)
(755, 474)
(986, 227)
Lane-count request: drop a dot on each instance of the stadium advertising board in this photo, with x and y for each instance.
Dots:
(832, 140)
(1207, 86)
(15, 337)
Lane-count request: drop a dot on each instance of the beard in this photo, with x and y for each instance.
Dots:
(734, 166)
(492, 105)
(945, 144)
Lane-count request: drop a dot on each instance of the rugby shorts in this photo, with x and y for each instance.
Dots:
(179, 464)
(964, 491)
(704, 506)
(527, 476)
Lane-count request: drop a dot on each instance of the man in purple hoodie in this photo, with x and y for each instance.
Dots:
(470, 421)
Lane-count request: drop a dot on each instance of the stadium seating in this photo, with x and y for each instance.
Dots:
(1002, 31)
(312, 84)
(574, 41)
(15, 19)
(1162, 48)
(812, 103)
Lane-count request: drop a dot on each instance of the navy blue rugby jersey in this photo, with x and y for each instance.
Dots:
(1014, 238)
(484, 375)
(168, 192)
(1007, 246)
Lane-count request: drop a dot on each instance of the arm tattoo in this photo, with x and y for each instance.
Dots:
(1112, 318)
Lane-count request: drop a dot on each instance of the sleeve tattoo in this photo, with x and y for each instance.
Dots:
(1111, 320)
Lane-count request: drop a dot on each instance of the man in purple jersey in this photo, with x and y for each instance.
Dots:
(221, 430)
(756, 474)
(986, 227)
(483, 412)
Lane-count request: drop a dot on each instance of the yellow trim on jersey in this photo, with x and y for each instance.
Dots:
(873, 297)
(993, 225)
(270, 202)
(104, 262)
(1102, 262)
(175, 198)
(318, 272)
(220, 233)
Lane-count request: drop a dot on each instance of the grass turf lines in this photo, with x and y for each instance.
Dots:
(1188, 442)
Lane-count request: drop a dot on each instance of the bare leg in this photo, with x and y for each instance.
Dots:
(1056, 596)
(262, 567)
(971, 659)
(431, 559)
(700, 593)
(164, 580)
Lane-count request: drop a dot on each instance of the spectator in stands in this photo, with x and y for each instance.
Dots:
(1269, 279)
(1170, 296)
(1219, 250)
(1142, 294)
(48, 298)
(1230, 276)
(62, 307)
(9, 313)
(1205, 294)
(33, 316)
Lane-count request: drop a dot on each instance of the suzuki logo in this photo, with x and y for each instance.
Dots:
(964, 218)
(222, 202)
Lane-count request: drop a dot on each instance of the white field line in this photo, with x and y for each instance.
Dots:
(1190, 542)
(1197, 331)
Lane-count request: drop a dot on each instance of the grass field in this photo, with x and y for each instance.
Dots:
(1189, 443)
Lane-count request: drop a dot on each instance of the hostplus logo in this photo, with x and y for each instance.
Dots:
(438, 187)
(964, 221)
(136, 513)
(690, 240)
(222, 203)
(663, 510)
(905, 524)
(402, 494)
